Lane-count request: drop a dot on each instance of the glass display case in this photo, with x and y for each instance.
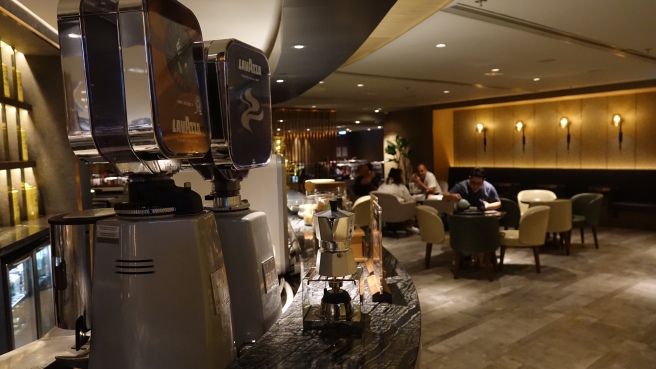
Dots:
(29, 285)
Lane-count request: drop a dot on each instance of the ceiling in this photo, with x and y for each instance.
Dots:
(571, 46)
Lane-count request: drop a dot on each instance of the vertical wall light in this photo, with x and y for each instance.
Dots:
(565, 123)
(617, 122)
(480, 128)
(520, 126)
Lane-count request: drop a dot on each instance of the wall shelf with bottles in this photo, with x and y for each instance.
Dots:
(18, 193)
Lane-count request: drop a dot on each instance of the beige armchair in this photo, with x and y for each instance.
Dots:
(394, 212)
(362, 210)
(560, 220)
(532, 228)
(525, 197)
(431, 229)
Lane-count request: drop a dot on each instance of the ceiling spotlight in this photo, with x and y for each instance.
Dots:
(308, 130)
(298, 47)
(278, 129)
(495, 69)
(280, 80)
(280, 120)
(377, 111)
(321, 82)
(360, 85)
(357, 122)
(314, 106)
(446, 91)
(380, 127)
(368, 129)
(440, 45)
(536, 79)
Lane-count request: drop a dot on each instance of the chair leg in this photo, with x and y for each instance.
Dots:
(455, 267)
(582, 237)
(502, 254)
(489, 265)
(594, 234)
(536, 255)
(429, 249)
(567, 236)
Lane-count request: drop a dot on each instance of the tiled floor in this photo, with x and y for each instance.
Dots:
(593, 309)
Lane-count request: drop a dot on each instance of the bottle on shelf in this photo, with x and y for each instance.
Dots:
(31, 201)
(19, 86)
(14, 207)
(22, 139)
(5, 80)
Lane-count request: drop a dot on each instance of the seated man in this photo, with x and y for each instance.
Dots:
(476, 190)
(426, 181)
(366, 181)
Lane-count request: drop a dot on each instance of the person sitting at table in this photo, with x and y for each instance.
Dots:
(394, 185)
(426, 181)
(366, 181)
(476, 190)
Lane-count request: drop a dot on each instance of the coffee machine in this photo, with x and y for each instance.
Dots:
(238, 82)
(340, 301)
(134, 81)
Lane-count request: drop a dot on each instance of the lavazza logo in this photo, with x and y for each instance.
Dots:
(250, 67)
(185, 126)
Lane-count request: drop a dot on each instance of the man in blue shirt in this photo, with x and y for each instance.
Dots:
(476, 190)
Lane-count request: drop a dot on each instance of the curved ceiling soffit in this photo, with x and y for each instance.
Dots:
(331, 31)
(404, 15)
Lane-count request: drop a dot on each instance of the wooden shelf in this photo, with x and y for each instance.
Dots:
(4, 165)
(16, 103)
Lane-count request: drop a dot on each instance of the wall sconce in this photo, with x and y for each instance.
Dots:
(481, 128)
(617, 122)
(565, 123)
(520, 126)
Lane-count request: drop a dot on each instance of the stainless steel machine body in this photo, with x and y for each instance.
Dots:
(134, 80)
(239, 96)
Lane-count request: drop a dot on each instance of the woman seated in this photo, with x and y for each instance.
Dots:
(394, 185)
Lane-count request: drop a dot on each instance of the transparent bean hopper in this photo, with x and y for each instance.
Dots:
(332, 294)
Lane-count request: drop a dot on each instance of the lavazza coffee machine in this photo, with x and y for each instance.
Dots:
(147, 95)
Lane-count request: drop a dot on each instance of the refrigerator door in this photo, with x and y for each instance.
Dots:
(23, 308)
(45, 288)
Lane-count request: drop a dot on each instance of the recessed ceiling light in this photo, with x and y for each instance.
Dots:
(440, 45)
(357, 122)
(298, 46)
(368, 129)
(280, 120)
(360, 85)
(446, 91)
(280, 80)
(377, 111)
(308, 130)
(278, 129)
(314, 106)
(495, 69)
(380, 127)
(321, 82)
(536, 79)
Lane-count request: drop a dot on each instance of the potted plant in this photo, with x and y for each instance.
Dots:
(400, 152)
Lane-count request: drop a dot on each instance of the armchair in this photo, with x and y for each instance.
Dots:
(431, 229)
(394, 213)
(586, 208)
(532, 227)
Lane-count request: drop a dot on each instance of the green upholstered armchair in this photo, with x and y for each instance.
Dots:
(474, 235)
(586, 209)
(511, 219)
